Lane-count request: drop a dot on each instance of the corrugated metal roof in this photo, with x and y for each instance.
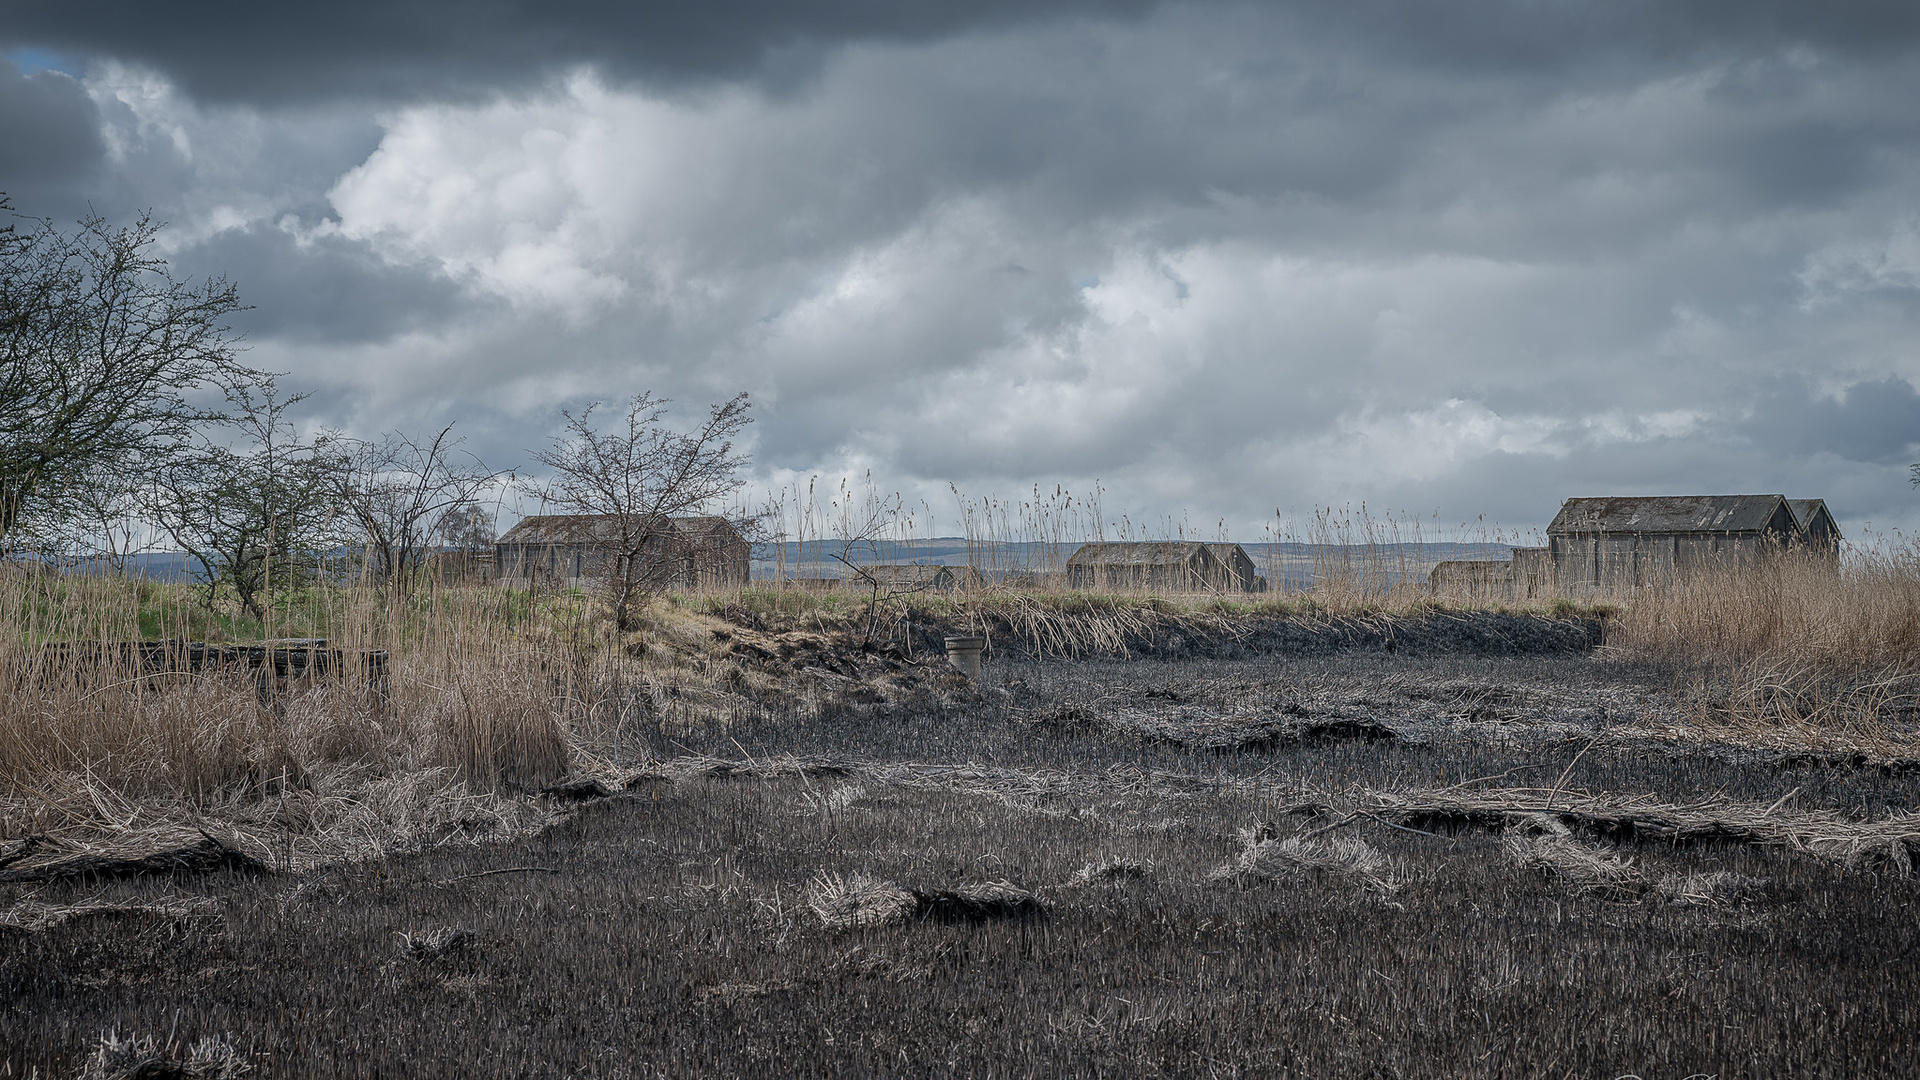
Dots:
(916, 575)
(542, 529)
(906, 573)
(1805, 511)
(1137, 553)
(1667, 514)
(1232, 555)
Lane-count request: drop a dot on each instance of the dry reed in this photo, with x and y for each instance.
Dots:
(1791, 650)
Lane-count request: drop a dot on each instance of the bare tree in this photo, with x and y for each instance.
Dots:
(397, 491)
(864, 523)
(633, 481)
(465, 527)
(255, 517)
(103, 353)
(101, 521)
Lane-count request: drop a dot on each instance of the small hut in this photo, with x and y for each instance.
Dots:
(1475, 580)
(916, 577)
(1162, 565)
(1531, 573)
(460, 567)
(573, 549)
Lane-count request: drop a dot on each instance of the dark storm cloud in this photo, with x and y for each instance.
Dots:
(234, 50)
(49, 135)
(1525, 35)
(237, 50)
(324, 289)
(1874, 421)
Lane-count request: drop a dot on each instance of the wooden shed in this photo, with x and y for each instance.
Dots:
(1163, 565)
(1532, 573)
(688, 552)
(1818, 530)
(1472, 579)
(917, 577)
(1616, 545)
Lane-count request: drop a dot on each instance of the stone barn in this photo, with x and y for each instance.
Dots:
(1163, 566)
(691, 552)
(917, 577)
(1616, 545)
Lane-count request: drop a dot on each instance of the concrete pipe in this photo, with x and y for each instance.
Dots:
(964, 654)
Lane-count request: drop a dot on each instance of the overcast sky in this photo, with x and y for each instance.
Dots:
(1461, 259)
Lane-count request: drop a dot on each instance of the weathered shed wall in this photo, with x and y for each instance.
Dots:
(1472, 580)
(1531, 577)
(687, 553)
(1162, 566)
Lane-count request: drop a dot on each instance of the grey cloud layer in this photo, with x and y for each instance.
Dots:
(232, 51)
(1223, 258)
(359, 48)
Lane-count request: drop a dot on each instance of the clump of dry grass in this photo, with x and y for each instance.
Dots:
(1599, 870)
(1264, 857)
(1587, 867)
(144, 1057)
(116, 761)
(33, 916)
(438, 943)
(1790, 649)
(857, 900)
(1709, 888)
(1109, 870)
(1862, 614)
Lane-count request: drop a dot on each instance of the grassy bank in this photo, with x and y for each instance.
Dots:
(497, 694)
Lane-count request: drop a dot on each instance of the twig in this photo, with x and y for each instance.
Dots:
(1495, 776)
(1778, 803)
(504, 870)
(1555, 793)
(1345, 821)
(1403, 828)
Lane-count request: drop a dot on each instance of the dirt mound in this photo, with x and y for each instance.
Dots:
(1027, 629)
(842, 664)
(1477, 633)
(127, 856)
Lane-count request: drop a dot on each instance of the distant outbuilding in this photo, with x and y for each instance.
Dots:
(1163, 565)
(916, 577)
(1472, 579)
(689, 552)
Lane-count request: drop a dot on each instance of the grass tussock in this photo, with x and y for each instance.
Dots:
(487, 699)
(146, 1057)
(1587, 867)
(1709, 888)
(32, 916)
(857, 900)
(1265, 857)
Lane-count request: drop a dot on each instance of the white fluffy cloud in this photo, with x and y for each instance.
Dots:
(1218, 268)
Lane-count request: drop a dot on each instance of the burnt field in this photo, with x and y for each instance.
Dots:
(1356, 863)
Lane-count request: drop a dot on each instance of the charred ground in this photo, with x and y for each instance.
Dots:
(1250, 858)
